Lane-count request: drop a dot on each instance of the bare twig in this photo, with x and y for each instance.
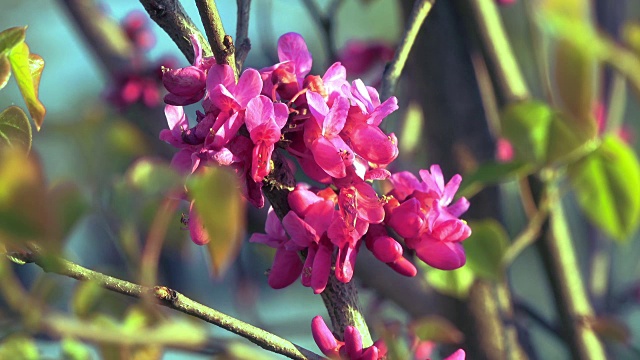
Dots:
(172, 18)
(325, 22)
(391, 75)
(171, 299)
(105, 37)
(221, 43)
(243, 44)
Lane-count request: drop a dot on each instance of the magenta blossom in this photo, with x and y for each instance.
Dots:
(264, 120)
(287, 265)
(351, 348)
(422, 214)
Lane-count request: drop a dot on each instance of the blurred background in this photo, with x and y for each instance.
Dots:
(95, 133)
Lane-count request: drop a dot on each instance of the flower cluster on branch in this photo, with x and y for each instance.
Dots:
(332, 129)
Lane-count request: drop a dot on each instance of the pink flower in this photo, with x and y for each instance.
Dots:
(187, 85)
(329, 150)
(427, 219)
(351, 348)
(225, 94)
(287, 265)
(264, 120)
(457, 355)
(358, 57)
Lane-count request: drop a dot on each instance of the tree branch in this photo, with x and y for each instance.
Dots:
(325, 22)
(105, 37)
(392, 73)
(172, 299)
(340, 299)
(243, 44)
(171, 17)
(221, 43)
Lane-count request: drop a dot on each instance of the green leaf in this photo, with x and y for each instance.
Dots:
(27, 70)
(541, 136)
(15, 130)
(491, 173)
(69, 205)
(75, 350)
(575, 74)
(24, 207)
(19, 347)
(485, 248)
(153, 177)
(85, 297)
(11, 37)
(606, 184)
(455, 283)
(436, 329)
(5, 70)
(219, 204)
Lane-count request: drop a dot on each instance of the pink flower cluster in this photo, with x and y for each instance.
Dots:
(331, 127)
(351, 347)
(140, 81)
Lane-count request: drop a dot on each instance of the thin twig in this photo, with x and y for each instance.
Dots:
(171, 299)
(105, 37)
(392, 73)
(221, 43)
(325, 22)
(171, 17)
(243, 44)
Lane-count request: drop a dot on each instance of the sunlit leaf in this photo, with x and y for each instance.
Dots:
(69, 205)
(606, 184)
(526, 125)
(436, 329)
(540, 135)
(485, 248)
(15, 130)
(85, 297)
(219, 204)
(153, 177)
(24, 208)
(11, 37)
(455, 283)
(412, 129)
(5, 71)
(491, 173)
(21, 64)
(575, 73)
(19, 347)
(610, 328)
(75, 350)
(36, 65)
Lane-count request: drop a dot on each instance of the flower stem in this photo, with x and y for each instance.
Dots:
(221, 43)
(171, 17)
(391, 75)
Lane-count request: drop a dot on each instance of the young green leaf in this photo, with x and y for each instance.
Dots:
(5, 71)
(606, 183)
(455, 283)
(15, 130)
(220, 206)
(485, 248)
(491, 173)
(436, 329)
(11, 37)
(19, 347)
(27, 70)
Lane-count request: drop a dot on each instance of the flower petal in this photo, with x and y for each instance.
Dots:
(286, 268)
(249, 86)
(291, 46)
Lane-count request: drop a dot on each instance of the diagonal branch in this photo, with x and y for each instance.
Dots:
(171, 299)
(171, 17)
(393, 71)
(221, 43)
